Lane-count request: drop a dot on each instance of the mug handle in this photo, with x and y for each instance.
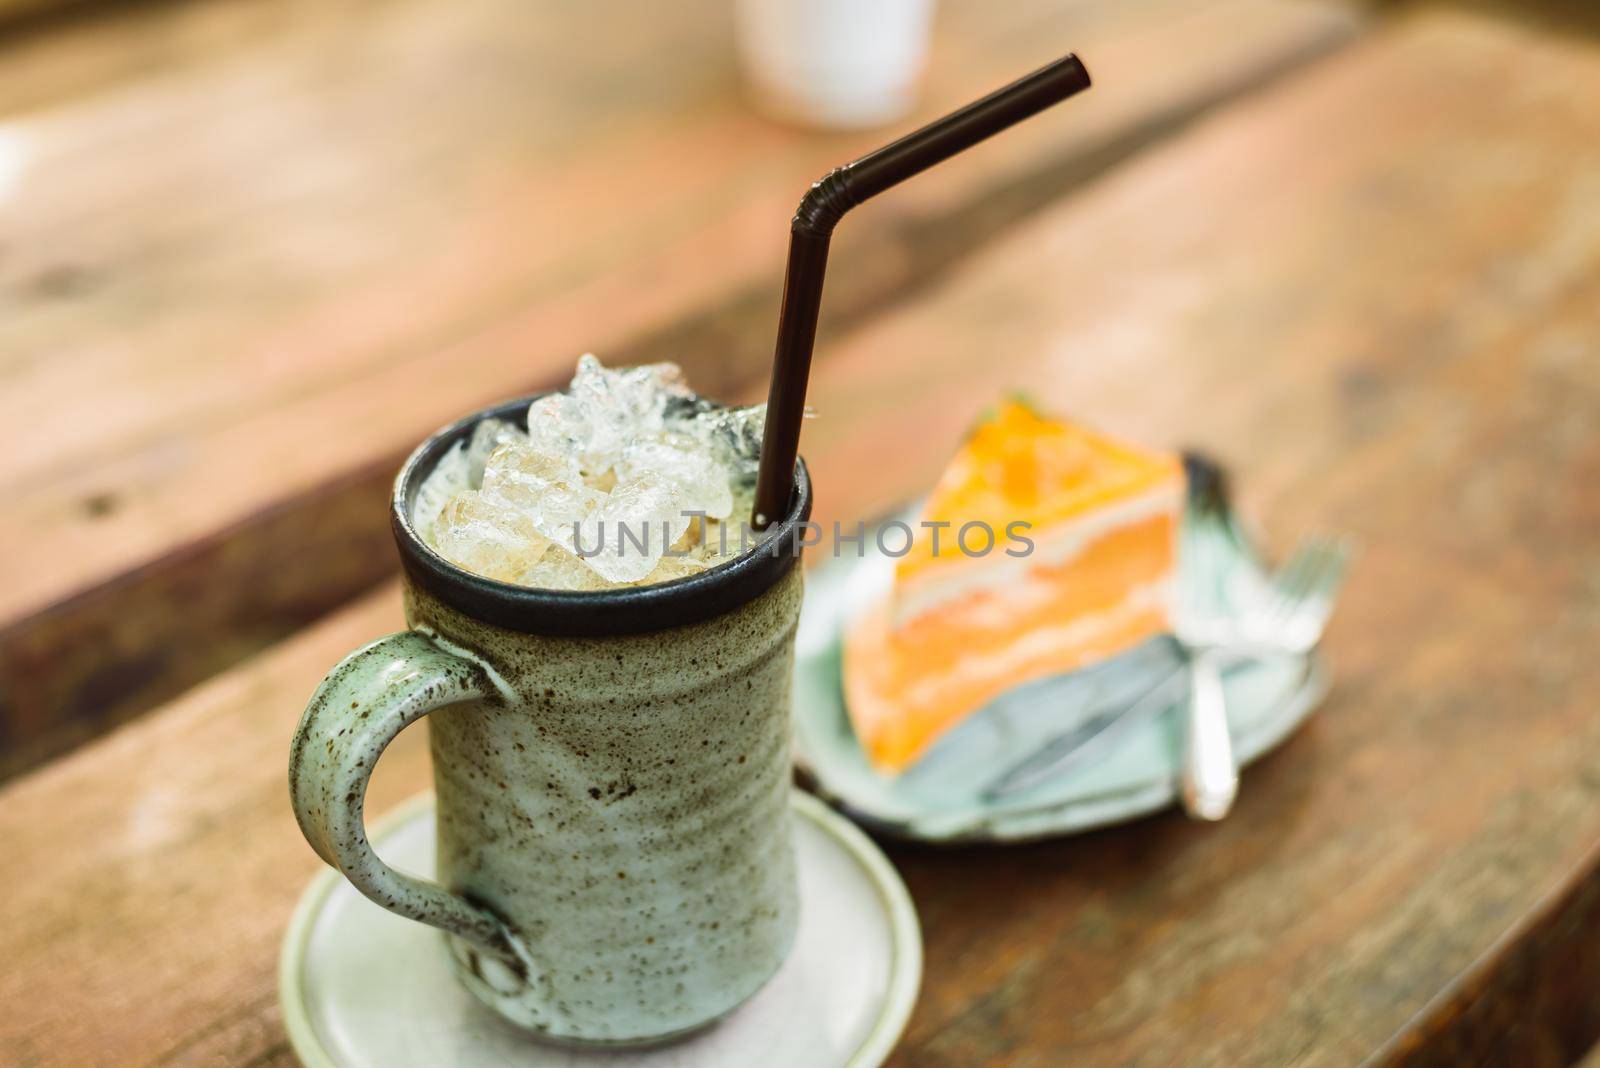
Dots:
(361, 705)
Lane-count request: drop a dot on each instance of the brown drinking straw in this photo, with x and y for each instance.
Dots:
(820, 211)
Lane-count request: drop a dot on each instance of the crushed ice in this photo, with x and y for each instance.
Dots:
(610, 475)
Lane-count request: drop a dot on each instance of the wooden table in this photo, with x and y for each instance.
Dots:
(1357, 256)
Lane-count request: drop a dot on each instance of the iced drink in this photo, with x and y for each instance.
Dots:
(624, 478)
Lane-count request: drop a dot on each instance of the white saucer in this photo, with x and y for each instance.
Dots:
(361, 986)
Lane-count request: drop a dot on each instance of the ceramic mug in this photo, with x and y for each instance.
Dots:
(612, 779)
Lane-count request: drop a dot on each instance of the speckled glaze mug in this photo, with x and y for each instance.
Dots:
(612, 779)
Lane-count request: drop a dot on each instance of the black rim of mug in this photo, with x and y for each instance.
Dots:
(628, 610)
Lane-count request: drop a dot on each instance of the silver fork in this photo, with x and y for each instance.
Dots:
(1288, 620)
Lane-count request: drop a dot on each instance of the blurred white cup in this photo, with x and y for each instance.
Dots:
(835, 63)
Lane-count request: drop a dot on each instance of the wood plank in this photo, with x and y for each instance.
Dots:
(75, 48)
(1373, 292)
(14, 12)
(313, 250)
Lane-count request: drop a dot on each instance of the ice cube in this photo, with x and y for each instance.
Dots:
(558, 569)
(546, 488)
(448, 478)
(487, 436)
(484, 536)
(641, 393)
(682, 460)
(628, 533)
(603, 410)
(733, 435)
(460, 468)
(559, 424)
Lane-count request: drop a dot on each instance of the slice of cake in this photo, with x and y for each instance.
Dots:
(1081, 567)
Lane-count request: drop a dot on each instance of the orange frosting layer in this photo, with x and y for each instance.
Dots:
(1018, 465)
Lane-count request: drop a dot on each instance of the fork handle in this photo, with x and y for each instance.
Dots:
(1210, 776)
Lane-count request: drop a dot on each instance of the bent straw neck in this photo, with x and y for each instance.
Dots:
(820, 210)
(844, 187)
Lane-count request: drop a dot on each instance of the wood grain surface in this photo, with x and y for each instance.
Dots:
(1373, 292)
(236, 290)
